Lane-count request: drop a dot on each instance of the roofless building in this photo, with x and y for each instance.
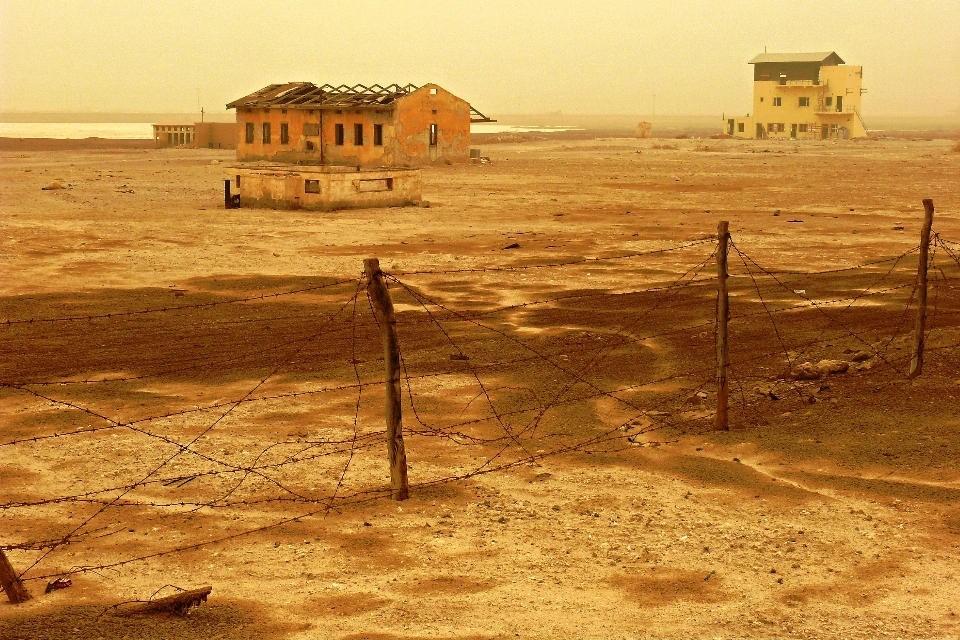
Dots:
(802, 96)
(393, 125)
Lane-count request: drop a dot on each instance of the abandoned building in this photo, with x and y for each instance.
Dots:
(395, 125)
(172, 135)
(199, 135)
(802, 96)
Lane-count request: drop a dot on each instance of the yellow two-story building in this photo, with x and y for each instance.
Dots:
(812, 96)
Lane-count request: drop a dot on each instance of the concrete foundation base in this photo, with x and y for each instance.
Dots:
(326, 188)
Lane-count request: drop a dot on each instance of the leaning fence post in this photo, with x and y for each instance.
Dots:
(916, 363)
(12, 584)
(383, 310)
(723, 314)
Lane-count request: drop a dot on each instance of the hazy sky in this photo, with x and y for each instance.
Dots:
(518, 56)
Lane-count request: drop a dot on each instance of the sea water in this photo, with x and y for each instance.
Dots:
(144, 130)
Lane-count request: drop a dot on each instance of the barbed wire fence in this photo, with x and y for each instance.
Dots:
(484, 387)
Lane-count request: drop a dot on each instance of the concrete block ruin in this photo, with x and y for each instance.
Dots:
(326, 188)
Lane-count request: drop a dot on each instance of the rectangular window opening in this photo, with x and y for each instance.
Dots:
(804, 102)
(777, 101)
(828, 101)
(740, 127)
(380, 184)
(266, 133)
(250, 130)
(311, 186)
(433, 135)
(284, 133)
(338, 134)
(378, 135)
(358, 134)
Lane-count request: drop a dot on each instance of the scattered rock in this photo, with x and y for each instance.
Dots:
(53, 186)
(833, 366)
(861, 356)
(767, 392)
(809, 371)
(512, 246)
(806, 371)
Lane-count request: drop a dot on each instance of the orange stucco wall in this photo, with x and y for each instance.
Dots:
(406, 132)
(415, 114)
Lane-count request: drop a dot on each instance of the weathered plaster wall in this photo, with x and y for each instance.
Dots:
(416, 112)
(277, 188)
(215, 135)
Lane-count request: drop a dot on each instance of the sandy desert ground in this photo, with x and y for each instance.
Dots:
(192, 396)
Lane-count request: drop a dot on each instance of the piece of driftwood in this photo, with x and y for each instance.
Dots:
(177, 603)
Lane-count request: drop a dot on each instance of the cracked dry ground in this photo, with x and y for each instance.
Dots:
(832, 509)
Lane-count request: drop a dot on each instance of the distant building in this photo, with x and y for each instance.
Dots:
(199, 135)
(802, 96)
(392, 125)
(173, 135)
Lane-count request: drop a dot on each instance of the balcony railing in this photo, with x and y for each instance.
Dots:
(799, 83)
(825, 111)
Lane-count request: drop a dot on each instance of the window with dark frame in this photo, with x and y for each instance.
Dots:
(777, 101)
(284, 133)
(358, 134)
(250, 130)
(311, 186)
(378, 135)
(740, 127)
(828, 101)
(266, 133)
(804, 102)
(433, 135)
(338, 134)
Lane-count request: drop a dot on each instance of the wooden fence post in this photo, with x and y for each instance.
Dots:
(383, 309)
(12, 584)
(723, 314)
(916, 363)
